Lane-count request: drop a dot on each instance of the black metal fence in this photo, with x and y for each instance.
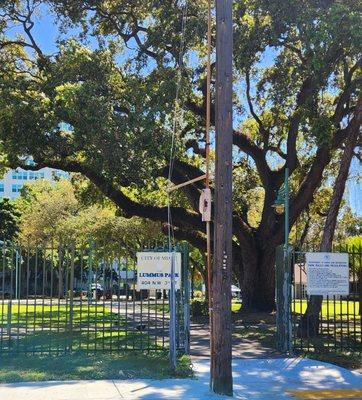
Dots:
(64, 298)
(339, 322)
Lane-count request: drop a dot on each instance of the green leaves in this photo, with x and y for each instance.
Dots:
(104, 102)
(54, 213)
(322, 129)
(9, 220)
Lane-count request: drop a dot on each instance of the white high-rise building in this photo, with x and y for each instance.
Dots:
(14, 180)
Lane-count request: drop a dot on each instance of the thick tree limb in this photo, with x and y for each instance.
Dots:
(249, 147)
(308, 89)
(322, 158)
(180, 216)
(263, 131)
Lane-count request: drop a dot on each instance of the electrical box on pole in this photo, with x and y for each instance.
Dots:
(221, 372)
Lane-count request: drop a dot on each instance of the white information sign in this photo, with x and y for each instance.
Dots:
(154, 270)
(327, 274)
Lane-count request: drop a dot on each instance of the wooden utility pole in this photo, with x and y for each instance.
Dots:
(221, 373)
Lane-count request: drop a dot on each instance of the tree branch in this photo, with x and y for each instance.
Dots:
(321, 160)
(249, 147)
(182, 217)
(264, 133)
(308, 89)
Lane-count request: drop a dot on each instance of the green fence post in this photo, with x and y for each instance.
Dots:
(186, 297)
(283, 299)
(90, 273)
(71, 296)
(9, 319)
(172, 306)
(10, 300)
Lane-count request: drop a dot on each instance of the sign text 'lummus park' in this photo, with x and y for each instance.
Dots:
(154, 270)
(327, 274)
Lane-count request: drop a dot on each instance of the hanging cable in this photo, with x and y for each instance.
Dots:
(205, 200)
(171, 249)
(176, 121)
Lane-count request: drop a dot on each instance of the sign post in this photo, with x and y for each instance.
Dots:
(172, 302)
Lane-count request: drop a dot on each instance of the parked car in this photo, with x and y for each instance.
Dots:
(235, 292)
(99, 292)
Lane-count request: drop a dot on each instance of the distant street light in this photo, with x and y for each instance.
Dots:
(281, 205)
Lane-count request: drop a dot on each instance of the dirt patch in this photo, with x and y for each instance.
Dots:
(253, 336)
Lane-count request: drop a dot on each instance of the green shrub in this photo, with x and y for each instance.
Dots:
(199, 308)
(198, 294)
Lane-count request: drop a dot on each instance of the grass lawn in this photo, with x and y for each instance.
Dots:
(79, 366)
(160, 308)
(235, 307)
(260, 327)
(346, 360)
(39, 315)
(48, 328)
(50, 348)
(339, 308)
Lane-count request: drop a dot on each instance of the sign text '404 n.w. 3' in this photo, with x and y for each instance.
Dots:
(154, 270)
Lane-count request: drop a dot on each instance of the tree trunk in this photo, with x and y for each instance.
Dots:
(309, 325)
(257, 280)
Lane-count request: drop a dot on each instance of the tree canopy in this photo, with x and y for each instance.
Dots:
(9, 220)
(101, 103)
(52, 213)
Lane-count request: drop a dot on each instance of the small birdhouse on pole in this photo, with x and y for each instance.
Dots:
(205, 205)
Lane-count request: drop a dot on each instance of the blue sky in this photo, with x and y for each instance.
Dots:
(46, 34)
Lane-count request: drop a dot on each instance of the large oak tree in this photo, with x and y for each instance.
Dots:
(100, 102)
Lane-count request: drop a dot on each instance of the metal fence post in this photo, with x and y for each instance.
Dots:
(71, 296)
(172, 303)
(90, 273)
(186, 297)
(283, 299)
(8, 327)
(10, 302)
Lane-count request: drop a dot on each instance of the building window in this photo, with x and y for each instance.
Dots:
(61, 174)
(36, 175)
(16, 188)
(25, 175)
(2, 188)
(20, 175)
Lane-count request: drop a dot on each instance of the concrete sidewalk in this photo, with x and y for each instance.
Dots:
(254, 379)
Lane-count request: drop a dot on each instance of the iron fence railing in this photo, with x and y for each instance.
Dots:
(339, 322)
(64, 298)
